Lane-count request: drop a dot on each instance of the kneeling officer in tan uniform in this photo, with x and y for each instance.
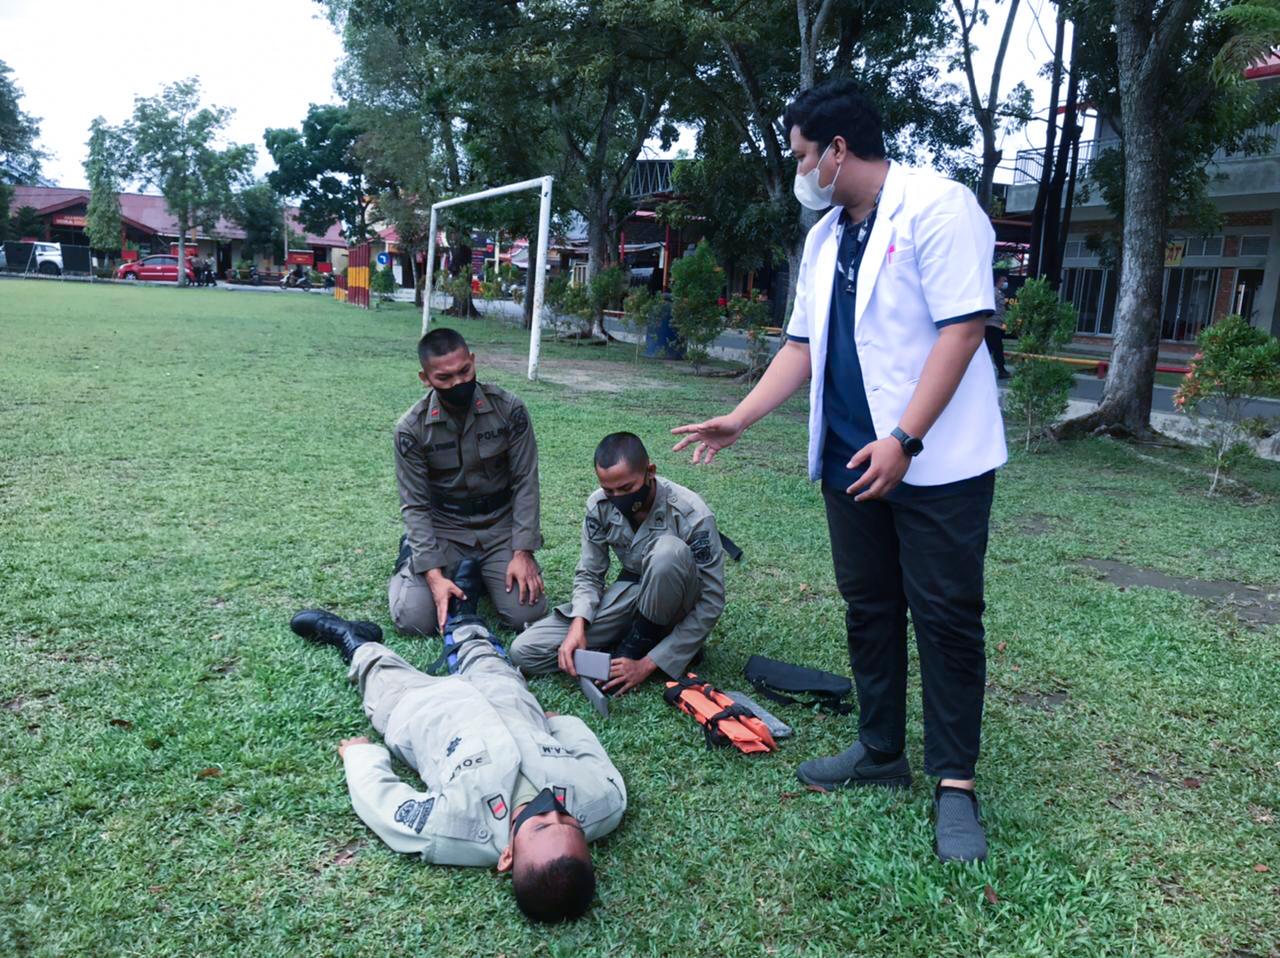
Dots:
(507, 784)
(467, 467)
(669, 594)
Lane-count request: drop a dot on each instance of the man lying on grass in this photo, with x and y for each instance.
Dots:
(507, 784)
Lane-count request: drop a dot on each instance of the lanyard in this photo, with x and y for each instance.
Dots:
(850, 271)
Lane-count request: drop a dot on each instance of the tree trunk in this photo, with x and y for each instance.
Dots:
(1126, 403)
(1035, 266)
(599, 252)
(407, 270)
(1051, 236)
(182, 250)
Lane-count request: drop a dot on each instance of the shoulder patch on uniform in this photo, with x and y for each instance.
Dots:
(595, 529)
(406, 443)
(497, 806)
(700, 546)
(519, 422)
(414, 814)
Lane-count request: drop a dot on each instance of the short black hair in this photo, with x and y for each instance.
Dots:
(838, 108)
(439, 342)
(560, 890)
(624, 446)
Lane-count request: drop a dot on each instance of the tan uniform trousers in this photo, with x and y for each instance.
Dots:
(668, 589)
(413, 610)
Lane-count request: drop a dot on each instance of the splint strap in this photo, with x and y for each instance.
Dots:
(724, 722)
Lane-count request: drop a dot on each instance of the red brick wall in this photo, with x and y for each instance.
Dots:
(1251, 218)
(1231, 246)
(1226, 289)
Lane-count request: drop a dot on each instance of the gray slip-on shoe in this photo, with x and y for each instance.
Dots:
(854, 767)
(960, 836)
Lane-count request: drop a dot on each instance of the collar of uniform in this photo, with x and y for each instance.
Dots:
(892, 193)
(434, 412)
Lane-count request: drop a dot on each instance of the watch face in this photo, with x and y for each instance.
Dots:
(913, 446)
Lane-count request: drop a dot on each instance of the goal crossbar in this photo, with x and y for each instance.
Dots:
(543, 185)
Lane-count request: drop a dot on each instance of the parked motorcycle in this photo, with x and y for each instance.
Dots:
(296, 278)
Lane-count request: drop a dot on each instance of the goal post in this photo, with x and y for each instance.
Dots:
(543, 185)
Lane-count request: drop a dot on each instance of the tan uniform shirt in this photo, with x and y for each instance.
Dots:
(440, 462)
(482, 745)
(676, 511)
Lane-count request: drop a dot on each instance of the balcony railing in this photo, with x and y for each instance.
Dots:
(1029, 163)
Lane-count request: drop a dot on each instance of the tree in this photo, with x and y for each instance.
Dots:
(988, 111)
(26, 222)
(1041, 386)
(696, 312)
(102, 168)
(171, 143)
(319, 165)
(19, 158)
(1157, 68)
(761, 55)
(259, 210)
(6, 199)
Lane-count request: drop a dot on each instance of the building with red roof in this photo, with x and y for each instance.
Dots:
(148, 226)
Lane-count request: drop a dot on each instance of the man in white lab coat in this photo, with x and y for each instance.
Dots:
(905, 435)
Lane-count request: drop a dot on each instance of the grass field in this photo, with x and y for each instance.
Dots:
(181, 470)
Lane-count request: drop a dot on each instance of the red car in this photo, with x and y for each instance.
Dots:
(158, 269)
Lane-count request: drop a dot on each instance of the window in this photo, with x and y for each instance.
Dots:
(1074, 250)
(1188, 302)
(1092, 293)
(1254, 245)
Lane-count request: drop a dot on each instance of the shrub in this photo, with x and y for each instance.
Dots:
(750, 314)
(1236, 362)
(607, 288)
(1040, 387)
(698, 318)
(640, 309)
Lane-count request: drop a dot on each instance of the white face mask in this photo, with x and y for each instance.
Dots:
(810, 194)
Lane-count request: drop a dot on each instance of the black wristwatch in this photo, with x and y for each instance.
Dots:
(910, 444)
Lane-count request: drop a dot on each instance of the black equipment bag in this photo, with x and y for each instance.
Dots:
(782, 681)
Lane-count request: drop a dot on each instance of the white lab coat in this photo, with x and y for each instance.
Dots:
(928, 259)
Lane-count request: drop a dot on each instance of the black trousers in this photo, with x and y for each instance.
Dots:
(922, 553)
(994, 336)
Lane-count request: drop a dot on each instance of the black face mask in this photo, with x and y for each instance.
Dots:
(545, 801)
(632, 502)
(458, 395)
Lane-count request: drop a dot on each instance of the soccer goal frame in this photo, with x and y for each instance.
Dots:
(543, 185)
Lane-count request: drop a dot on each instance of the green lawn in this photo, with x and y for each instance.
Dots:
(181, 470)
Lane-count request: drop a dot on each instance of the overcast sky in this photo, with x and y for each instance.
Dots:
(268, 59)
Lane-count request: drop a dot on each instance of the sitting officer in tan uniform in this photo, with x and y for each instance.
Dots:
(467, 467)
(506, 784)
(669, 594)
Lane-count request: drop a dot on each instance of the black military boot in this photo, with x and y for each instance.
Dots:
(403, 556)
(465, 611)
(641, 640)
(325, 628)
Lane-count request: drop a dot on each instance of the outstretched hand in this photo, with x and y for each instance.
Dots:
(711, 436)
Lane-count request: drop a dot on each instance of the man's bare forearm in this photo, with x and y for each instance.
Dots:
(786, 373)
(947, 363)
